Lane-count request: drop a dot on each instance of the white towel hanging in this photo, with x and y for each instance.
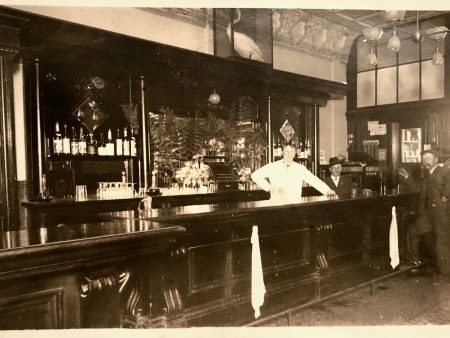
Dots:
(258, 287)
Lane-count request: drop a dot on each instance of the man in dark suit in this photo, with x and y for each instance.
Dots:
(437, 195)
(419, 229)
(341, 184)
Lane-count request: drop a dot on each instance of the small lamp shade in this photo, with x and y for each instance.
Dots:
(438, 58)
(372, 58)
(394, 42)
(394, 15)
(373, 33)
(436, 33)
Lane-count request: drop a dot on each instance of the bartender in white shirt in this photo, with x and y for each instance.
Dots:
(284, 178)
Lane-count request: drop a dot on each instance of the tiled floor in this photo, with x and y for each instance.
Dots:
(398, 301)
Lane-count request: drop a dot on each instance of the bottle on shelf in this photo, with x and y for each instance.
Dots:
(57, 140)
(382, 187)
(275, 149)
(109, 144)
(119, 144)
(308, 149)
(280, 150)
(66, 141)
(133, 145)
(126, 143)
(44, 195)
(301, 151)
(101, 149)
(91, 145)
(74, 143)
(82, 146)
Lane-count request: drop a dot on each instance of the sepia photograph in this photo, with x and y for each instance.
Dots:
(203, 169)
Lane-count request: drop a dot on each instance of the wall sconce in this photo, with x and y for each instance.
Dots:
(214, 98)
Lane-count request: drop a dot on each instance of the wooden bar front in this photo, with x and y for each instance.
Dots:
(309, 250)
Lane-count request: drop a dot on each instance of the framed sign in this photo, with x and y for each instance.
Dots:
(244, 33)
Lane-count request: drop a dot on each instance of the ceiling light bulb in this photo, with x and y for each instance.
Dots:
(372, 58)
(438, 58)
(394, 42)
(214, 98)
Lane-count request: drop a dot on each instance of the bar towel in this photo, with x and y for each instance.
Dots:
(258, 287)
(393, 241)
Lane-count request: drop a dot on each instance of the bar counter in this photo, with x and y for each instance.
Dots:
(75, 276)
(310, 249)
(71, 210)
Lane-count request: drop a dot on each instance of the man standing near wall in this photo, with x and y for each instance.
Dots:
(437, 189)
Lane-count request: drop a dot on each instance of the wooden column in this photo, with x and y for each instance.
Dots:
(315, 141)
(269, 131)
(145, 142)
(395, 154)
(8, 183)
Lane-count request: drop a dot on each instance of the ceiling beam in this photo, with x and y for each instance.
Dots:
(353, 20)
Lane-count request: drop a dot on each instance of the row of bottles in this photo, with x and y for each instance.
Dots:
(81, 144)
(303, 150)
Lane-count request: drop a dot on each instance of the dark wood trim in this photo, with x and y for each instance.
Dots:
(394, 112)
(395, 153)
(8, 152)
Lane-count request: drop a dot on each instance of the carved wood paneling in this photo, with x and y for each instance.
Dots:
(36, 310)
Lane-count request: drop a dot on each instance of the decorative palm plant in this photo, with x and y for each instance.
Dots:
(177, 140)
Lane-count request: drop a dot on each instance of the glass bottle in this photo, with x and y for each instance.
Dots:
(44, 195)
(74, 143)
(119, 144)
(133, 146)
(57, 140)
(82, 146)
(381, 182)
(126, 143)
(92, 145)
(275, 149)
(66, 141)
(110, 144)
(280, 149)
(101, 146)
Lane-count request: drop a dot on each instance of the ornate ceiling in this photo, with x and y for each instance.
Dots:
(323, 32)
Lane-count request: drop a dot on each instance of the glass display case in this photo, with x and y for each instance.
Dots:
(411, 145)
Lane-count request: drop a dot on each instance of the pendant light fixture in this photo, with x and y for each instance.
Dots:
(394, 42)
(438, 58)
(214, 98)
(373, 34)
(372, 58)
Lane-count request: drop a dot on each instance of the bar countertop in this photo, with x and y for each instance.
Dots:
(75, 244)
(192, 212)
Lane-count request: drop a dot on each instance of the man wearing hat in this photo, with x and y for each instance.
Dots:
(437, 194)
(341, 184)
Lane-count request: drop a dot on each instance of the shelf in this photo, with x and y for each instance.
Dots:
(64, 157)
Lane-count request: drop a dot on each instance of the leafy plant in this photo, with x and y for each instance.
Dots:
(176, 140)
(129, 110)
